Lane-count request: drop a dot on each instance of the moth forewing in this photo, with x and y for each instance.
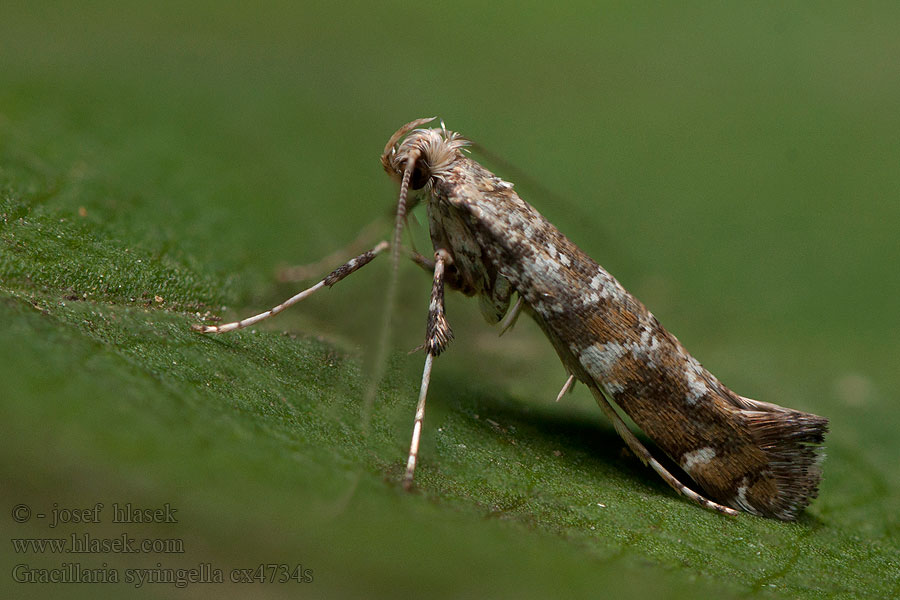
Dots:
(749, 455)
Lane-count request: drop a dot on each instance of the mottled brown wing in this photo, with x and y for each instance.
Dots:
(758, 457)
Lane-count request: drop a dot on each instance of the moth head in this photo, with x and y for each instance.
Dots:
(415, 157)
(425, 153)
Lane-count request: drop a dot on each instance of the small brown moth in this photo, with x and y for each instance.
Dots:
(744, 454)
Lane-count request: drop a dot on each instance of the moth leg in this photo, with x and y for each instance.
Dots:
(511, 317)
(451, 276)
(437, 337)
(364, 239)
(426, 263)
(352, 265)
(567, 386)
(645, 457)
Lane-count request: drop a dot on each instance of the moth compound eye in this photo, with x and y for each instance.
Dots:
(420, 176)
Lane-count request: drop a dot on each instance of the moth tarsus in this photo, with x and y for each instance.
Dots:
(744, 454)
(511, 316)
(437, 337)
(329, 280)
(566, 388)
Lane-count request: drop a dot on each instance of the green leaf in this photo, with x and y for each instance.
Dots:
(737, 171)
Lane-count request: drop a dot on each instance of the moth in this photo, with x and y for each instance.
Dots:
(743, 454)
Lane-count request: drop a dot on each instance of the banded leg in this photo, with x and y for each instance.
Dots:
(451, 277)
(645, 457)
(437, 338)
(364, 239)
(332, 278)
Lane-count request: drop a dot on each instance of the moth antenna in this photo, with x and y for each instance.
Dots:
(415, 222)
(400, 217)
(390, 148)
(384, 336)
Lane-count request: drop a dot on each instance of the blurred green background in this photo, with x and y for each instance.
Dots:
(735, 167)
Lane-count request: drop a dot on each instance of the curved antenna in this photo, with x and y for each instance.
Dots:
(384, 336)
(400, 215)
(389, 148)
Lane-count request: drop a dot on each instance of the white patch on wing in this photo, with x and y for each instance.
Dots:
(608, 286)
(564, 260)
(555, 307)
(545, 265)
(741, 499)
(689, 460)
(613, 387)
(696, 386)
(601, 358)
